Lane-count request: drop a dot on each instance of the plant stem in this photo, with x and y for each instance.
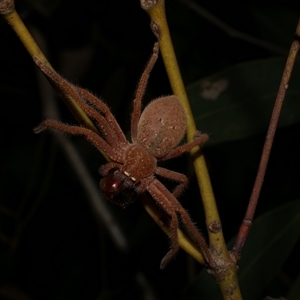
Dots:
(226, 272)
(158, 18)
(246, 225)
(160, 26)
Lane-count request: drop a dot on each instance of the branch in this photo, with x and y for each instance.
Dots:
(225, 272)
(160, 27)
(245, 227)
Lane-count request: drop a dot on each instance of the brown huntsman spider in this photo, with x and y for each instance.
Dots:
(155, 135)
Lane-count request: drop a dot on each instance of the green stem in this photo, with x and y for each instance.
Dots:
(225, 274)
(160, 27)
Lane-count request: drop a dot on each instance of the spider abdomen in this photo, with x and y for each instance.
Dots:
(162, 125)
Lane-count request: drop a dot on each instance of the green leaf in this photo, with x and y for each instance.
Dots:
(237, 102)
(271, 239)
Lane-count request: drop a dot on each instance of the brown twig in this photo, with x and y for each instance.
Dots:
(245, 227)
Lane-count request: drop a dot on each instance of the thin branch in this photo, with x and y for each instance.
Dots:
(232, 32)
(245, 227)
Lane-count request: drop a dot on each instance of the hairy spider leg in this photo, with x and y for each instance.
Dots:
(137, 102)
(90, 135)
(118, 135)
(178, 177)
(173, 208)
(109, 128)
(105, 169)
(175, 176)
(162, 199)
(199, 139)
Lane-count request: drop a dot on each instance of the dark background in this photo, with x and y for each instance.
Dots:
(52, 245)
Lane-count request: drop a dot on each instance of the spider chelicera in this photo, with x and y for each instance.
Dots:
(155, 135)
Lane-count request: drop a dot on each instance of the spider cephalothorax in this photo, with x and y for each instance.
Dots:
(155, 135)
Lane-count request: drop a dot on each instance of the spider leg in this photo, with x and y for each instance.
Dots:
(136, 113)
(108, 116)
(158, 192)
(172, 207)
(199, 139)
(178, 177)
(105, 169)
(110, 133)
(101, 122)
(195, 235)
(90, 135)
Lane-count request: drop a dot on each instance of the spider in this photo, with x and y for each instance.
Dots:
(155, 135)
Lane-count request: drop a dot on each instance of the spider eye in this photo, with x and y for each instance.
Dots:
(110, 185)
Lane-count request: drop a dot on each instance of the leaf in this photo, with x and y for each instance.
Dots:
(269, 243)
(237, 102)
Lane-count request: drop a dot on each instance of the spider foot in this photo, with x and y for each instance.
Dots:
(200, 137)
(39, 128)
(42, 65)
(167, 258)
(156, 49)
(36, 60)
